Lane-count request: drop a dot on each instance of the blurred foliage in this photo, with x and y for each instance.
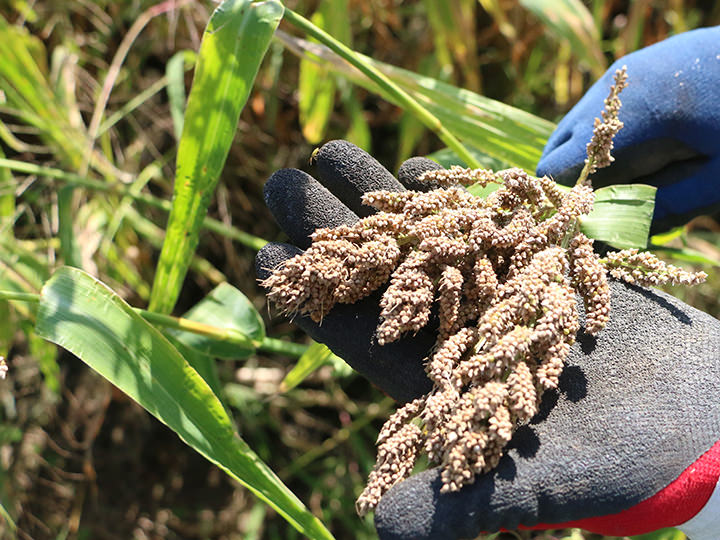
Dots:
(92, 90)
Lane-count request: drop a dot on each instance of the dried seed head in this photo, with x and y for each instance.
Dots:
(504, 272)
(395, 461)
(601, 144)
(590, 280)
(643, 268)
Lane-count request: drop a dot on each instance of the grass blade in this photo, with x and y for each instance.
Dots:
(175, 74)
(83, 316)
(316, 86)
(66, 232)
(684, 254)
(621, 215)
(234, 44)
(571, 20)
(503, 132)
(387, 87)
(225, 307)
(314, 358)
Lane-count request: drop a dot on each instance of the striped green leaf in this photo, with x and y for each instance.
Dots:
(571, 20)
(503, 132)
(621, 215)
(85, 317)
(228, 308)
(314, 358)
(233, 45)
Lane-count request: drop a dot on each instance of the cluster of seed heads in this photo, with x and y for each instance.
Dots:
(503, 272)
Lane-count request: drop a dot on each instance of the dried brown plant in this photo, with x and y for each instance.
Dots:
(504, 272)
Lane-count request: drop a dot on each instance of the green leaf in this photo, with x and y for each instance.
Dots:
(503, 132)
(233, 45)
(7, 201)
(317, 86)
(28, 92)
(665, 237)
(205, 366)
(314, 358)
(621, 215)
(225, 307)
(358, 132)
(83, 316)
(571, 20)
(175, 73)
(69, 249)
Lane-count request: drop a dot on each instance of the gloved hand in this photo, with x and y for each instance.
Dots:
(630, 443)
(671, 137)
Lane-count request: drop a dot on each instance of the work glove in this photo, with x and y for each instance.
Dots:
(629, 443)
(671, 137)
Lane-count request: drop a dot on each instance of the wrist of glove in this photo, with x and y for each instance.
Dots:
(628, 443)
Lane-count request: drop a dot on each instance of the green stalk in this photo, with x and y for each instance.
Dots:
(186, 325)
(278, 346)
(268, 344)
(20, 296)
(404, 99)
(246, 239)
(133, 104)
(585, 171)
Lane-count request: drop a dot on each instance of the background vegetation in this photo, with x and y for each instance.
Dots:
(91, 113)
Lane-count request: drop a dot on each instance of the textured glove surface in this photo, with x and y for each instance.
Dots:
(635, 407)
(301, 204)
(671, 137)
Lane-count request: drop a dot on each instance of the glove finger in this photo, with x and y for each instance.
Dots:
(349, 331)
(349, 172)
(411, 169)
(697, 193)
(636, 407)
(300, 205)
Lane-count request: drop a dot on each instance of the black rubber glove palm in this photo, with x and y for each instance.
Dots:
(628, 444)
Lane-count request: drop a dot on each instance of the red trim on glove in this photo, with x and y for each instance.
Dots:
(675, 504)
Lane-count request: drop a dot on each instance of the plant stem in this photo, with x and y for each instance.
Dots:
(226, 335)
(20, 296)
(582, 179)
(246, 239)
(279, 346)
(404, 99)
(268, 344)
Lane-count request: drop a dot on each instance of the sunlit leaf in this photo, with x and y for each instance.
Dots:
(503, 132)
(621, 215)
(685, 255)
(233, 45)
(571, 20)
(317, 86)
(447, 158)
(85, 317)
(665, 237)
(314, 358)
(225, 307)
